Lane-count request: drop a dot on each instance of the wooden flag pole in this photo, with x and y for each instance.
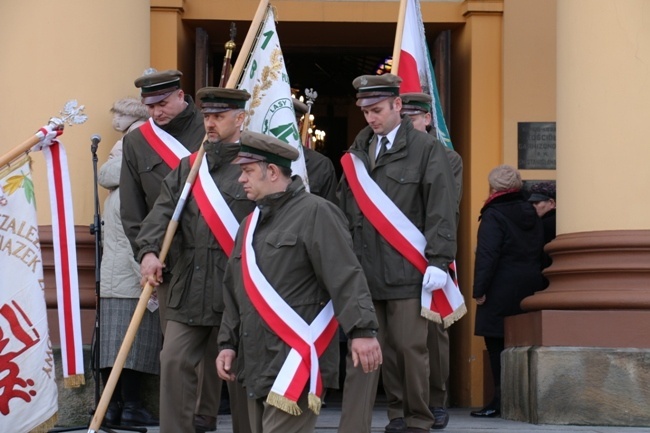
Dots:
(247, 45)
(118, 365)
(20, 149)
(397, 48)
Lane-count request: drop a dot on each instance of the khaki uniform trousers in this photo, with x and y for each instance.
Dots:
(438, 346)
(209, 395)
(265, 418)
(403, 338)
(184, 347)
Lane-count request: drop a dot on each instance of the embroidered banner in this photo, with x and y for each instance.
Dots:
(270, 109)
(28, 392)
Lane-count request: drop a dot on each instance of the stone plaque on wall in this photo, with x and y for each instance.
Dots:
(536, 145)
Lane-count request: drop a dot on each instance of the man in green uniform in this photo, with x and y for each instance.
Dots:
(206, 231)
(284, 286)
(418, 107)
(409, 178)
(150, 152)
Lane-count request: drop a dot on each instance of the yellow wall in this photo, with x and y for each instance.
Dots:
(54, 51)
(529, 72)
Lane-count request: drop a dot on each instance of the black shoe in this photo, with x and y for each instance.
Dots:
(440, 417)
(133, 413)
(486, 412)
(396, 425)
(113, 413)
(204, 423)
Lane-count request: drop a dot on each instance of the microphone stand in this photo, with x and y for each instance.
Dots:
(96, 229)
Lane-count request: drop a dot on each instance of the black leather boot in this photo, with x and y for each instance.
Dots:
(133, 413)
(113, 413)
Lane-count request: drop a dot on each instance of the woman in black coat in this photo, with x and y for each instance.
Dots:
(508, 265)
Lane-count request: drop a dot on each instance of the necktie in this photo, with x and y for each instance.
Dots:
(384, 146)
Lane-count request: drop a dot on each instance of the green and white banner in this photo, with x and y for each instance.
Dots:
(270, 109)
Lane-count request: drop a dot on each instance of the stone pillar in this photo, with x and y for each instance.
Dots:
(580, 356)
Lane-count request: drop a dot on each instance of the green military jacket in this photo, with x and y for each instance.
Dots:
(415, 174)
(303, 248)
(195, 295)
(143, 170)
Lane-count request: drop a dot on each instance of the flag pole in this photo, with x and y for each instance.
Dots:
(118, 365)
(248, 44)
(397, 48)
(21, 148)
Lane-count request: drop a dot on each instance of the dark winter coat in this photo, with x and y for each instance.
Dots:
(143, 170)
(508, 260)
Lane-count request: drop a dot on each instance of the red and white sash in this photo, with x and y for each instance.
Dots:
(444, 305)
(212, 205)
(307, 341)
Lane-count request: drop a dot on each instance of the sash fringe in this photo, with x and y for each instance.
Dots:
(314, 403)
(74, 381)
(430, 315)
(47, 425)
(456, 315)
(283, 403)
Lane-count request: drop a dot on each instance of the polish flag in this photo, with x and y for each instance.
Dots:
(412, 62)
(413, 58)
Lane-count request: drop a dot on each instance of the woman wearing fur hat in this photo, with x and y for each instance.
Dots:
(120, 289)
(507, 268)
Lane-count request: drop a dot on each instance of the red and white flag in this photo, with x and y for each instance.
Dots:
(412, 62)
(28, 392)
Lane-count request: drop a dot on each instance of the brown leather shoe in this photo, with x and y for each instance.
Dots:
(204, 423)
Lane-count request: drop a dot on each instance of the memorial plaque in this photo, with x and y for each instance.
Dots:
(536, 145)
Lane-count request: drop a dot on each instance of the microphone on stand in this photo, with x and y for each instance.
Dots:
(95, 139)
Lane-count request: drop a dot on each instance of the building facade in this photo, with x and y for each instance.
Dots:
(509, 71)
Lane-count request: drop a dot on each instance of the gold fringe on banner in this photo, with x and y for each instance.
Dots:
(74, 381)
(283, 403)
(47, 425)
(314, 403)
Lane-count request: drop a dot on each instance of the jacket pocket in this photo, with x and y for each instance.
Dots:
(149, 163)
(403, 175)
(279, 239)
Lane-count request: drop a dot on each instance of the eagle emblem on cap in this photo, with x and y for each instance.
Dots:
(363, 81)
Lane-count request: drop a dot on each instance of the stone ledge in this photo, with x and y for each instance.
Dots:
(576, 385)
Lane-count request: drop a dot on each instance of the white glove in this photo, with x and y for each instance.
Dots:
(434, 278)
